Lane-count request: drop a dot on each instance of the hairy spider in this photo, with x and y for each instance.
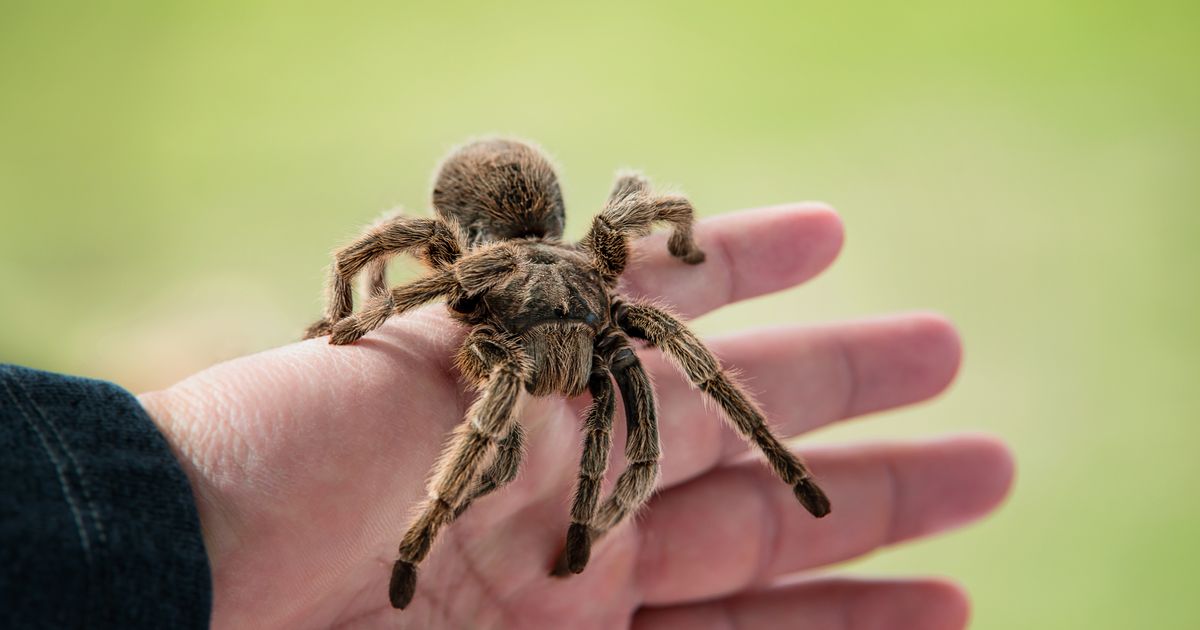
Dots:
(544, 317)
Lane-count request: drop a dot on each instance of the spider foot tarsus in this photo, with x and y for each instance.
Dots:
(575, 554)
(579, 547)
(684, 248)
(320, 328)
(403, 584)
(812, 497)
(694, 257)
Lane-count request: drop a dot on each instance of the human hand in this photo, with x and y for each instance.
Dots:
(307, 459)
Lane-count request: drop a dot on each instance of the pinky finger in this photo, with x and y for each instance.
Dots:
(824, 604)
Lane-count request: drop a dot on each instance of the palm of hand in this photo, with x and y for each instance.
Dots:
(307, 459)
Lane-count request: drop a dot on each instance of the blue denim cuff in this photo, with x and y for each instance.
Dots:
(98, 525)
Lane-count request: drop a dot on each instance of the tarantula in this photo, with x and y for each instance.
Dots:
(544, 316)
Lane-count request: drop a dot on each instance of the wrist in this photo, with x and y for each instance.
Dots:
(176, 422)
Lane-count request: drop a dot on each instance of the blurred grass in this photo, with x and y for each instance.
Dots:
(172, 178)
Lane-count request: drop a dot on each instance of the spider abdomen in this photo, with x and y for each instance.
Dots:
(499, 189)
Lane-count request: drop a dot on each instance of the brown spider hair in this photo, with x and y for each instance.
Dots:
(499, 189)
(545, 319)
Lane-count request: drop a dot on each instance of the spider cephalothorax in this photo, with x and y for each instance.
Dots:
(544, 317)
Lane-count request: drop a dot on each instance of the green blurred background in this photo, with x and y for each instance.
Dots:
(173, 176)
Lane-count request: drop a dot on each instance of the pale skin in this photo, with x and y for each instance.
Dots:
(307, 460)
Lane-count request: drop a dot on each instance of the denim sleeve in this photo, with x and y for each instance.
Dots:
(98, 526)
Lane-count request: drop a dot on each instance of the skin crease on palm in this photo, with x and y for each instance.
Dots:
(306, 461)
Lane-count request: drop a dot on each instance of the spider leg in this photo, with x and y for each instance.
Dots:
(398, 300)
(642, 452)
(627, 183)
(636, 483)
(377, 277)
(502, 470)
(592, 466)
(431, 239)
(704, 371)
(631, 211)
(485, 348)
(491, 417)
(470, 276)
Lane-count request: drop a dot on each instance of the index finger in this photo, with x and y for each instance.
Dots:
(749, 253)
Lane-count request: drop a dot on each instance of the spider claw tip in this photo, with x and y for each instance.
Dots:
(812, 498)
(403, 584)
(579, 547)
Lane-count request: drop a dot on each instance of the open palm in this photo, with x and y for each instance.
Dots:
(306, 461)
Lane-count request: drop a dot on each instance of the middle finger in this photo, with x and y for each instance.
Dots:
(740, 526)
